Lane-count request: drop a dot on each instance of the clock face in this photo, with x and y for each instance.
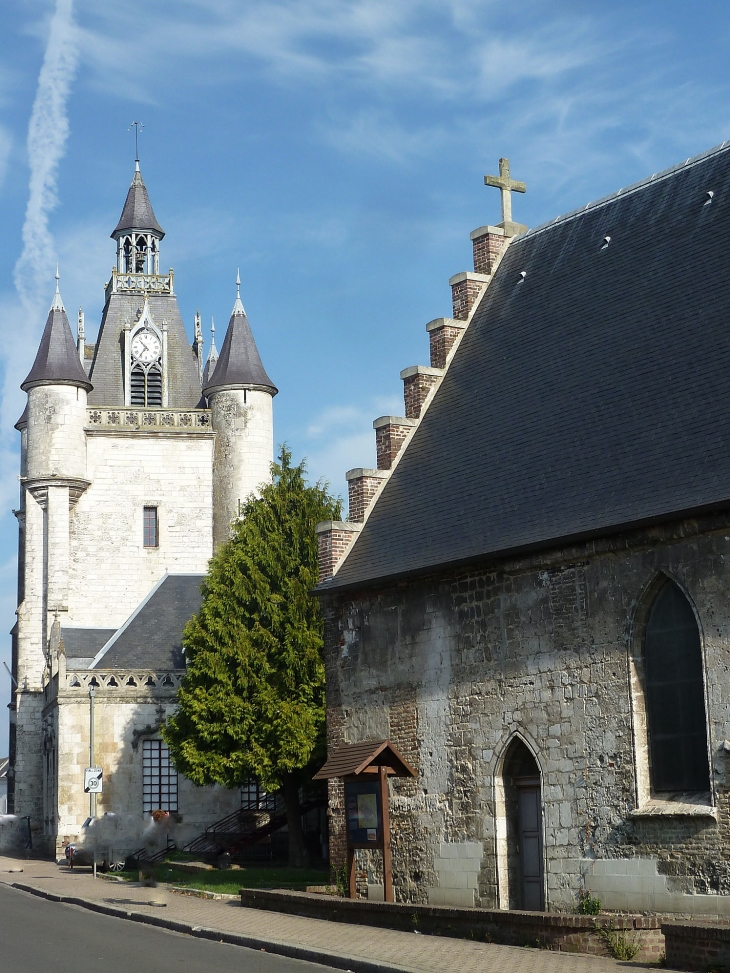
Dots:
(146, 347)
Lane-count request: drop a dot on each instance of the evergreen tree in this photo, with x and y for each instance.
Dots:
(252, 703)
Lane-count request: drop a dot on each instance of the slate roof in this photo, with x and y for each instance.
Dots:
(57, 360)
(239, 363)
(591, 395)
(107, 369)
(151, 638)
(84, 643)
(137, 213)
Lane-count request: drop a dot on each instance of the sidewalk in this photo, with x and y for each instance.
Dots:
(360, 949)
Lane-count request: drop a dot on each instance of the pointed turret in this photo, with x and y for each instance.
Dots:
(239, 363)
(240, 395)
(57, 361)
(212, 359)
(138, 215)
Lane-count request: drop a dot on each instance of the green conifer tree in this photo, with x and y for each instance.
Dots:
(252, 703)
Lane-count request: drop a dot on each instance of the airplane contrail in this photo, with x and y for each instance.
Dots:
(47, 137)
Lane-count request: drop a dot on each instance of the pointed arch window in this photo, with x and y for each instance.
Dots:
(675, 696)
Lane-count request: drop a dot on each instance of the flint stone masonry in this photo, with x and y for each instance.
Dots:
(390, 434)
(466, 289)
(443, 333)
(489, 243)
(453, 667)
(418, 380)
(362, 485)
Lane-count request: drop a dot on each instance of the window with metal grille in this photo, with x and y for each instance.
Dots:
(675, 695)
(150, 533)
(159, 778)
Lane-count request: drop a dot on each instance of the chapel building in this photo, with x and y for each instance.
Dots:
(135, 457)
(531, 598)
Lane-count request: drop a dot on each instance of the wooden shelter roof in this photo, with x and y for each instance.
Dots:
(352, 759)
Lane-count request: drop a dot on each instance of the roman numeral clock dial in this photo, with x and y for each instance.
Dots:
(146, 347)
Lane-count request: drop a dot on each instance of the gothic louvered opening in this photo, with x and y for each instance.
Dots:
(146, 386)
(675, 695)
(154, 386)
(137, 386)
(159, 778)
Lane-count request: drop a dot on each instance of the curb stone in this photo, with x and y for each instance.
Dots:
(336, 961)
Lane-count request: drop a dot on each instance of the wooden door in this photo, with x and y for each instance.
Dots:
(529, 828)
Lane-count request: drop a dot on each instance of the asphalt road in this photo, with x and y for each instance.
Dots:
(37, 935)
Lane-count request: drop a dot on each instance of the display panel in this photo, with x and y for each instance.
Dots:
(364, 813)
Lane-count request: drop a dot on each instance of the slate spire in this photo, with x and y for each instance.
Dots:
(137, 214)
(212, 359)
(57, 361)
(239, 363)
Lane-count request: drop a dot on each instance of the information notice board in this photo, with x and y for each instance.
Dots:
(364, 814)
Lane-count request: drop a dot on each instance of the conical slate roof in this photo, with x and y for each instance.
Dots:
(57, 361)
(239, 363)
(137, 213)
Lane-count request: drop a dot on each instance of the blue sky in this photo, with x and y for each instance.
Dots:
(335, 151)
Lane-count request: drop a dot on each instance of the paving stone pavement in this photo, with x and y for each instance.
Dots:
(343, 941)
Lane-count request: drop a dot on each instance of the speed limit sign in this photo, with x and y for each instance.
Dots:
(92, 780)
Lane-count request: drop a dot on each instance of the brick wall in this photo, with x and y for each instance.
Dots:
(442, 332)
(696, 947)
(333, 539)
(489, 243)
(361, 488)
(465, 291)
(390, 434)
(417, 383)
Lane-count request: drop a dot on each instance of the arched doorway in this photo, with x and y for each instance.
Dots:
(523, 826)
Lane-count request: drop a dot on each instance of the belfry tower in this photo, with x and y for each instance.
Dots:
(135, 459)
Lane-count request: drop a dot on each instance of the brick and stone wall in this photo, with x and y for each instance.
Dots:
(443, 333)
(418, 380)
(333, 539)
(362, 486)
(390, 434)
(465, 290)
(452, 668)
(488, 243)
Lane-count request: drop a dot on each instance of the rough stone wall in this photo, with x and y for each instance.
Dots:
(118, 713)
(244, 449)
(110, 569)
(537, 647)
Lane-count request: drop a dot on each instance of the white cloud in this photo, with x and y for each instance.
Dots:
(342, 438)
(47, 136)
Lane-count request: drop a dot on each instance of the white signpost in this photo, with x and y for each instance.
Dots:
(93, 780)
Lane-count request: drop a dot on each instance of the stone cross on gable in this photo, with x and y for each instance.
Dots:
(507, 186)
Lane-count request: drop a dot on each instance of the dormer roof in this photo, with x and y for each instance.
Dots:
(137, 214)
(57, 361)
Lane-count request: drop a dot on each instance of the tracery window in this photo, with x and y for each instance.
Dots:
(675, 697)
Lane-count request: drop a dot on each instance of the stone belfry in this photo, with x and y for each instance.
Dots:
(135, 459)
(157, 367)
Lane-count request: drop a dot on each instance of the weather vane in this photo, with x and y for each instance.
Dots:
(137, 126)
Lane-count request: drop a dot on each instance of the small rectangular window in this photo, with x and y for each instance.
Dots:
(150, 527)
